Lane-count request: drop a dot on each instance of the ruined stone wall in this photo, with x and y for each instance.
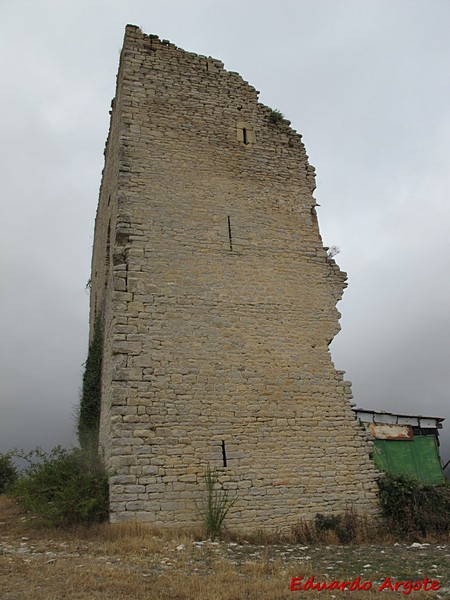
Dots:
(219, 303)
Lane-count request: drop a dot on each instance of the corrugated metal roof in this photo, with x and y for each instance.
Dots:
(384, 417)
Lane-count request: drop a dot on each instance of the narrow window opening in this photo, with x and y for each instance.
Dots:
(245, 133)
(224, 454)
(229, 234)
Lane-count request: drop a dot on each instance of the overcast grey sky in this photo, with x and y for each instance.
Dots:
(367, 84)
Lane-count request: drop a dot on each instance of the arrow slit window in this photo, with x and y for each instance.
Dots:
(245, 133)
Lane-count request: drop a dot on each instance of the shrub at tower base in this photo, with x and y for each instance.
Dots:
(89, 413)
(412, 507)
(71, 486)
(65, 487)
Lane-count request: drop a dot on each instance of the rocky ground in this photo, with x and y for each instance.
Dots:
(118, 562)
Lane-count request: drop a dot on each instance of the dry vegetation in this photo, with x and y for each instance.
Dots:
(132, 562)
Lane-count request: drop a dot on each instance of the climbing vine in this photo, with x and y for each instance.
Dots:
(89, 412)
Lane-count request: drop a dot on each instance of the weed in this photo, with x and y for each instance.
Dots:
(216, 506)
(276, 116)
(347, 527)
(304, 532)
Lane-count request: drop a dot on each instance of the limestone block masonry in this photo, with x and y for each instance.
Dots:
(218, 303)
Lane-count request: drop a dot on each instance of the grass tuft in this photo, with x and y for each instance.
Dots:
(216, 505)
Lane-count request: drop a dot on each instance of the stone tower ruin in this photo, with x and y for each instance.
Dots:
(218, 305)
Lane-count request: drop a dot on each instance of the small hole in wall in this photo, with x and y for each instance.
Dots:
(224, 454)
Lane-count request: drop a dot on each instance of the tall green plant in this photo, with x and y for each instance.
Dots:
(89, 413)
(216, 506)
(64, 486)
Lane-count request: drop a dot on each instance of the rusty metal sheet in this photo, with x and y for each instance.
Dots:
(391, 432)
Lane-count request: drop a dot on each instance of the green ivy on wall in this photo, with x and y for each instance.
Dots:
(89, 413)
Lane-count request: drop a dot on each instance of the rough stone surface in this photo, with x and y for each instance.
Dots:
(218, 302)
